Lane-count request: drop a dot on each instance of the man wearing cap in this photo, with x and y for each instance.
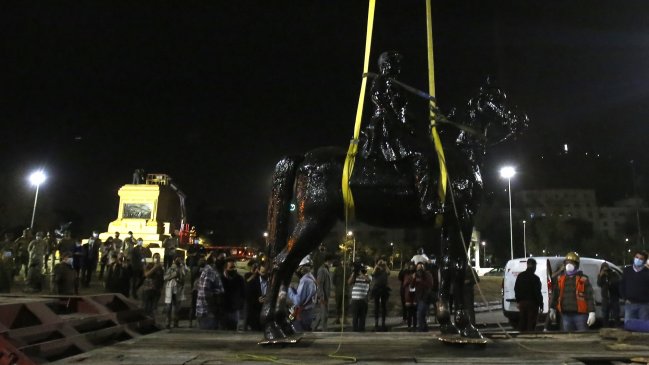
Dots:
(304, 297)
(528, 297)
(572, 296)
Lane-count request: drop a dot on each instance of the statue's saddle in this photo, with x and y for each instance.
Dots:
(378, 185)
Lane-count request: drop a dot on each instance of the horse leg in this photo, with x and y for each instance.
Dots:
(443, 310)
(307, 234)
(462, 317)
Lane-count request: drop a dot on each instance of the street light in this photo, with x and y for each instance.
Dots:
(36, 178)
(524, 243)
(350, 235)
(508, 172)
(484, 253)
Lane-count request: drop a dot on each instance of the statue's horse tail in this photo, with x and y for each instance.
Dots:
(279, 203)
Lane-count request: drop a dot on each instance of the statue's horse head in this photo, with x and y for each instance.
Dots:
(490, 113)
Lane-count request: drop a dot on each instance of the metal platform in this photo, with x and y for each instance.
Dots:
(35, 330)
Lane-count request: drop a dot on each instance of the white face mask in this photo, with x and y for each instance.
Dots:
(570, 267)
(68, 261)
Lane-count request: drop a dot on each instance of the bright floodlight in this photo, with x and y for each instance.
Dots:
(37, 177)
(507, 172)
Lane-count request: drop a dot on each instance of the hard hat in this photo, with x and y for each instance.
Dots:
(572, 256)
(306, 261)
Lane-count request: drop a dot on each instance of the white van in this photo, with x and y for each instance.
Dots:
(546, 267)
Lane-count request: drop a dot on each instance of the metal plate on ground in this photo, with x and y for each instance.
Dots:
(281, 341)
(459, 340)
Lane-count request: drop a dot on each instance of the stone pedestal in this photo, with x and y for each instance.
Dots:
(151, 211)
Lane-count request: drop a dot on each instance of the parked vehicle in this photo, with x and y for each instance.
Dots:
(547, 269)
(498, 271)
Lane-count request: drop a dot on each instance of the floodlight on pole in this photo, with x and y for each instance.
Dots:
(36, 178)
(524, 242)
(507, 172)
(350, 235)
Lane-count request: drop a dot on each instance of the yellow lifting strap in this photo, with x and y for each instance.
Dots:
(353, 144)
(431, 90)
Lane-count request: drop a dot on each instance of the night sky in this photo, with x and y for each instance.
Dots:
(214, 93)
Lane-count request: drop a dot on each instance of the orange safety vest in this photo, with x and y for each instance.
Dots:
(580, 284)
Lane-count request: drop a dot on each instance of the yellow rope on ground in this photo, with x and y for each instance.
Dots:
(342, 320)
(265, 358)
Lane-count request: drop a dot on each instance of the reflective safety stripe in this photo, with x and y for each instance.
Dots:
(580, 293)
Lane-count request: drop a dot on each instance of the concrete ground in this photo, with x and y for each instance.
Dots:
(193, 347)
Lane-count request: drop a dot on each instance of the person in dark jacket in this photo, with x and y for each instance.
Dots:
(528, 297)
(256, 288)
(90, 258)
(380, 293)
(634, 287)
(64, 276)
(118, 277)
(406, 303)
(572, 296)
(609, 283)
(233, 300)
(423, 287)
(137, 267)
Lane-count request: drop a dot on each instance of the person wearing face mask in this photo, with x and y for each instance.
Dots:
(64, 278)
(256, 288)
(304, 297)
(634, 288)
(153, 279)
(572, 296)
(174, 289)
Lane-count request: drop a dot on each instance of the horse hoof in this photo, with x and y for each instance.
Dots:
(272, 332)
(287, 327)
(471, 332)
(449, 329)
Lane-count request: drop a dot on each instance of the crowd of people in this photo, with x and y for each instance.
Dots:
(221, 298)
(572, 302)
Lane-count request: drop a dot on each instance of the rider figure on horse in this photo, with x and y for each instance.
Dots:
(391, 135)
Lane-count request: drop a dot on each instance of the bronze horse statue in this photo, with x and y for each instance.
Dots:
(313, 183)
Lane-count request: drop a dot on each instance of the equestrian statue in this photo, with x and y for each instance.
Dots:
(394, 184)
